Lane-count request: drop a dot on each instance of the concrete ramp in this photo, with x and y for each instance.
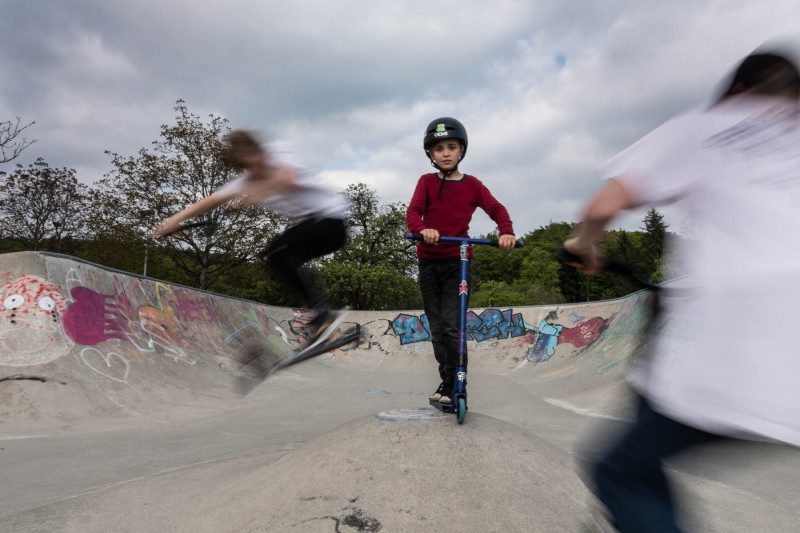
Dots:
(398, 470)
(414, 470)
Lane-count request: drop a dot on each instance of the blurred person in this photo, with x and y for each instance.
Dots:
(269, 176)
(710, 374)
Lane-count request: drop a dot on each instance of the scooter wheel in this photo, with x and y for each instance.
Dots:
(461, 410)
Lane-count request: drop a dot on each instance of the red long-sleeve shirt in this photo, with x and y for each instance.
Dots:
(451, 212)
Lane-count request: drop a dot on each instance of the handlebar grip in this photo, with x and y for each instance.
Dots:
(609, 265)
(561, 254)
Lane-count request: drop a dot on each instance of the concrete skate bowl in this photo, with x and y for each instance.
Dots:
(81, 343)
(119, 412)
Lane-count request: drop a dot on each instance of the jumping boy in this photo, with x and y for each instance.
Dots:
(268, 177)
(736, 164)
(443, 204)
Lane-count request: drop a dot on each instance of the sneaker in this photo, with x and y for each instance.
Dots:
(447, 390)
(438, 394)
(445, 399)
(322, 326)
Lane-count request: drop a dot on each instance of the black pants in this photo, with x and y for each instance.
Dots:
(439, 283)
(630, 479)
(299, 244)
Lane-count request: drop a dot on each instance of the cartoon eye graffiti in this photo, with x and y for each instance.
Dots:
(13, 301)
(47, 304)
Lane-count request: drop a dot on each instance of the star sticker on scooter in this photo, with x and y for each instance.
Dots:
(463, 288)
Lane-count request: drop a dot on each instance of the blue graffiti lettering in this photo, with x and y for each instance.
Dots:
(490, 324)
(410, 329)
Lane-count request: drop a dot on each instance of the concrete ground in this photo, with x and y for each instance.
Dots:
(119, 411)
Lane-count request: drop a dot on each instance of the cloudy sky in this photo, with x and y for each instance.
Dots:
(548, 90)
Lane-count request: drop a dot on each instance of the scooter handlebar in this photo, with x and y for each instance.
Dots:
(459, 240)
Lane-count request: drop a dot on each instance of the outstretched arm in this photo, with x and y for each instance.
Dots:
(264, 181)
(601, 208)
(205, 205)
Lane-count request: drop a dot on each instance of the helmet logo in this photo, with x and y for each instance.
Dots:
(441, 131)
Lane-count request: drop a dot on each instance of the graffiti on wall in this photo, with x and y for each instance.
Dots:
(30, 329)
(540, 340)
(490, 324)
(108, 329)
(411, 328)
(111, 323)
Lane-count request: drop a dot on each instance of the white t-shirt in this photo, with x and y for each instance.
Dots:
(310, 200)
(728, 358)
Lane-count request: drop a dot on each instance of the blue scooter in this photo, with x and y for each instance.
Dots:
(458, 396)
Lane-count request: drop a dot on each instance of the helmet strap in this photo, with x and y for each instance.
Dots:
(447, 173)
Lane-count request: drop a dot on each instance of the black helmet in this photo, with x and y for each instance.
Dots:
(445, 128)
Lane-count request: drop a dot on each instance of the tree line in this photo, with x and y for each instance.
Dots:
(109, 222)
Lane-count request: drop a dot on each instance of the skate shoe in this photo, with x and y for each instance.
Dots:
(437, 396)
(447, 391)
(323, 325)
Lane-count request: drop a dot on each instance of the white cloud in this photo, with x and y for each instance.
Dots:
(547, 90)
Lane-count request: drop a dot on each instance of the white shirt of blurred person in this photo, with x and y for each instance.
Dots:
(727, 358)
(305, 197)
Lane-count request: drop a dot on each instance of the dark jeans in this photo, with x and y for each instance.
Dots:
(299, 244)
(630, 480)
(439, 283)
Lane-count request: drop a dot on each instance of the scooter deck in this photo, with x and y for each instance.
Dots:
(443, 407)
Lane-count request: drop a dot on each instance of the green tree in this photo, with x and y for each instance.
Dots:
(525, 276)
(552, 235)
(653, 240)
(577, 287)
(494, 293)
(624, 246)
(561, 283)
(110, 242)
(40, 203)
(185, 164)
(491, 263)
(539, 272)
(375, 270)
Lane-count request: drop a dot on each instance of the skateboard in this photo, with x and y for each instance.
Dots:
(258, 366)
(351, 335)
